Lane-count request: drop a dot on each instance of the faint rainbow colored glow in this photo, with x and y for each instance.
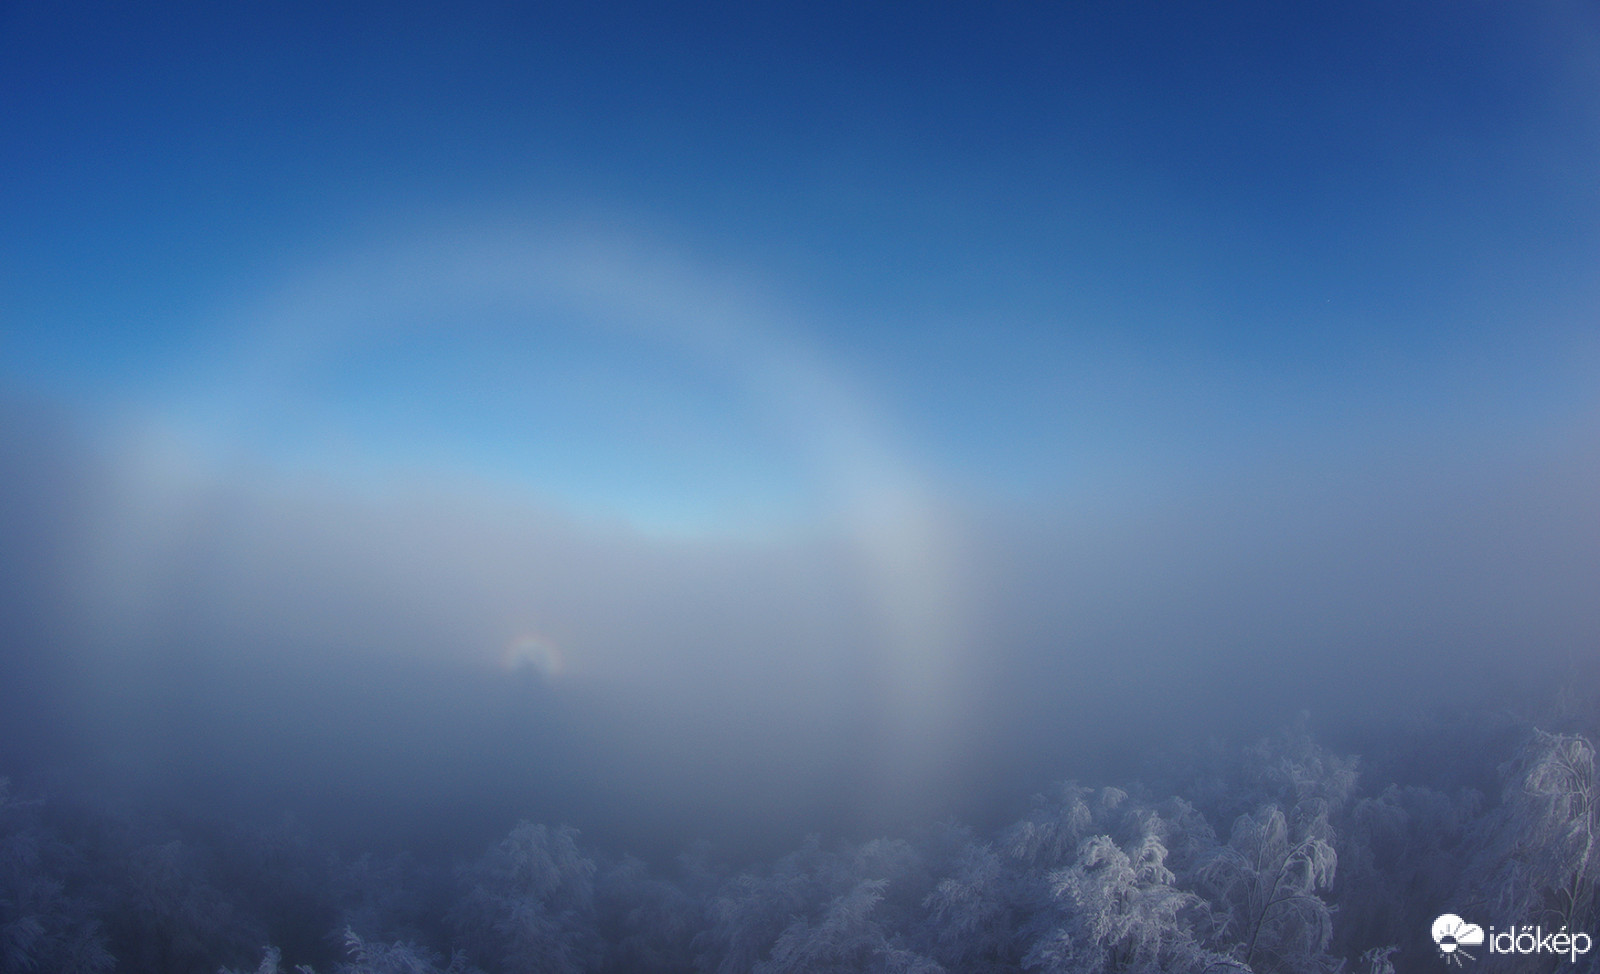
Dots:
(530, 651)
(875, 494)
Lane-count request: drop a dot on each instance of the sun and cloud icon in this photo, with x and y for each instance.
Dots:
(1453, 935)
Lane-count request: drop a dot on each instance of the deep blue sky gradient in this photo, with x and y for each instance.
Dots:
(1039, 231)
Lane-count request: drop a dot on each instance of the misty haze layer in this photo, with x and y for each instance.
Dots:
(443, 656)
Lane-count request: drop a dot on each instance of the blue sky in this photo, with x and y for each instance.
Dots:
(852, 395)
(1044, 239)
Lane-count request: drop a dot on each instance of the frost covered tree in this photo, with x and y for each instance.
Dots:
(528, 905)
(972, 914)
(1049, 835)
(1266, 884)
(1292, 770)
(1401, 856)
(746, 916)
(645, 923)
(363, 957)
(845, 938)
(818, 910)
(271, 963)
(1378, 960)
(170, 917)
(42, 926)
(278, 878)
(1082, 884)
(1115, 909)
(1312, 878)
(397, 898)
(368, 957)
(1538, 860)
